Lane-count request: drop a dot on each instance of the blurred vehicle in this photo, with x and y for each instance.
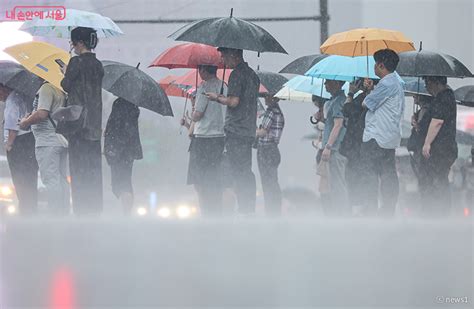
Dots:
(173, 207)
(8, 200)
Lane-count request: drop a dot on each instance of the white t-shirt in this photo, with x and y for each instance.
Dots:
(15, 109)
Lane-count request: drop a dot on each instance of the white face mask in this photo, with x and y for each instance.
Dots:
(72, 52)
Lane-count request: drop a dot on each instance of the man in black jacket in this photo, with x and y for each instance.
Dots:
(83, 83)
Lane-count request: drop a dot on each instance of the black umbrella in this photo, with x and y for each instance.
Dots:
(229, 32)
(465, 95)
(302, 64)
(135, 86)
(427, 63)
(16, 77)
(273, 82)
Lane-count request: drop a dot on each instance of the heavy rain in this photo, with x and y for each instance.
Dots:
(236, 154)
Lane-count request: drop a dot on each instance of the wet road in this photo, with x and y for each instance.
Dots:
(119, 263)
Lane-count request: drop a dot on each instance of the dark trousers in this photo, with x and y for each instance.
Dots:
(379, 170)
(24, 171)
(433, 185)
(353, 182)
(239, 156)
(85, 165)
(205, 173)
(268, 159)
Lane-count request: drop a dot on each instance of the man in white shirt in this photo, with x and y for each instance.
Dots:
(51, 148)
(20, 148)
(382, 135)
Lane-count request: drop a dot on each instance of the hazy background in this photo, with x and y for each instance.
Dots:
(443, 25)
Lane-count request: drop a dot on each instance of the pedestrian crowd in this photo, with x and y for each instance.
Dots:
(356, 158)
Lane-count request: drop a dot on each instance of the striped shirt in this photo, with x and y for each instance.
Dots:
(273, 122)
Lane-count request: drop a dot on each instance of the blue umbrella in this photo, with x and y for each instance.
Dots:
(415, 86)
(343, 68)
(311, 85)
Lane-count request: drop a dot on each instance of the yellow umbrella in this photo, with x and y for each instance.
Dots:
(39, 58)
(365, 42)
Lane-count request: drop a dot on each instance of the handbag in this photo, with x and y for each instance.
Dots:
(70, 119)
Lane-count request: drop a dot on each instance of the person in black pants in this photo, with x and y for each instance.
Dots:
(240, 125)
(438, 131)
(122, 147)
(83, 83)
(20, 148)
(354, 122)
(268, 154)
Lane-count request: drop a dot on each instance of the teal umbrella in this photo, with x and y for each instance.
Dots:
(311, 85)
(50, 27)
(343, 68)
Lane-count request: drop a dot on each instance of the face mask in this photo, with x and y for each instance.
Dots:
(72, 52)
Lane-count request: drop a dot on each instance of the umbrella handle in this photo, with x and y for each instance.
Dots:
(223, 78)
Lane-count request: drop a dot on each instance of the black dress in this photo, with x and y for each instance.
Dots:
(122, 144)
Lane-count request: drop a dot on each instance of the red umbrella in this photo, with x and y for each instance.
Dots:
(189, 79)
(188, 55)
(171, 89)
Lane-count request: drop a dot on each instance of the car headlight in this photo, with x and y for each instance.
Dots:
(164, 212)
(142, 211)
(6, 191)
(183, 211)
(11, 210)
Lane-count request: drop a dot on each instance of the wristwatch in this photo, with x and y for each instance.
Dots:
(350, 94)
(328, 146)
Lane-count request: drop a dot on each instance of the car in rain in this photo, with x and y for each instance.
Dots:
(8, 200)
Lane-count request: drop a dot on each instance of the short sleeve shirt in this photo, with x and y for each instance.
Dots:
(15, 109)
(334, 107)
(244, 84)
(443, 107)
(49, 99)
(212, 122)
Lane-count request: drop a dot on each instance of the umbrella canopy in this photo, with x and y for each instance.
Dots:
(188, 55)
(16, 77)
(229, 32)
(302, 64)
(312, 86)
(188, 80)
(39, 58)
(271, 81)
(415, 86)
(133, 85)
(289, 94)
(50, 27)
(465, 95)
(343, 68)
(169, 88)
(365, 42)
(428, 63)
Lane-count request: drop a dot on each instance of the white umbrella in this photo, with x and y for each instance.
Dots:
(47, 27)
(289, 94)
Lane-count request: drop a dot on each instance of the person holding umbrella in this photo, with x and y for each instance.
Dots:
(51, 148)
(335, 199)
(207, 143)
(240, 125)
(354, 123)
(122, 147)
(385, 105)
(20, 148)
(83, 83)
(438, 131)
